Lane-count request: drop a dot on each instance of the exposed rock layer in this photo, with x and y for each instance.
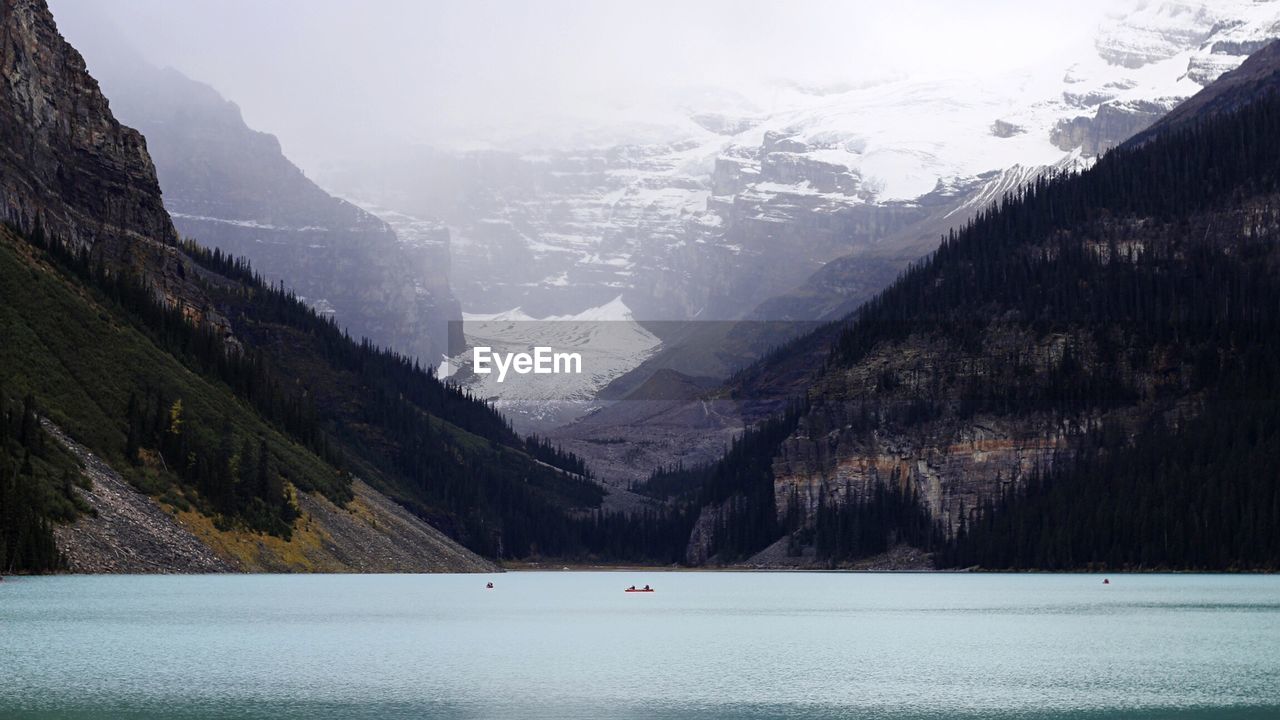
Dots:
(66, 165)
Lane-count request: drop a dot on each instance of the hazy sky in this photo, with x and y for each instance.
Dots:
(319, 72)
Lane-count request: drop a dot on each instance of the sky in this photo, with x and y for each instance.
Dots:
(328, 75)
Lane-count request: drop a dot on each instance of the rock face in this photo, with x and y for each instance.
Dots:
(1200, 40)
(69, 170)
(1178, 29)
(67, 166)
(1111, 125)
(952, 471)
(952, 464)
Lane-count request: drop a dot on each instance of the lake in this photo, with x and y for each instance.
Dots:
(705, 645)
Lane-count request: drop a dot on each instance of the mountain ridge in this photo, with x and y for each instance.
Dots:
(1058, 349)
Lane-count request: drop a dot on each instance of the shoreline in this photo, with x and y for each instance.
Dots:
(581, 568)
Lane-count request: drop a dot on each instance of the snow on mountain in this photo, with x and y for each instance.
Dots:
(711, 205)
(1163, 30)
(708, 205)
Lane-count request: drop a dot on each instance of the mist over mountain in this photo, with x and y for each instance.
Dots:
(230, 187)
(793, 194)
(744, 199)
(458, 74)
(964, 148)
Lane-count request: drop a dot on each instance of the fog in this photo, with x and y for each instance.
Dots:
(329, 76)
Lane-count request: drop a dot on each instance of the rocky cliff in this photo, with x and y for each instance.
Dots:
(953, 461)
(69, 171)
(69, 167)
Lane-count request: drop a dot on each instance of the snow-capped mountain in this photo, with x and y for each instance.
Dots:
(728, 200)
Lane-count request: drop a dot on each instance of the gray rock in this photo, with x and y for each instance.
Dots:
(127, 532)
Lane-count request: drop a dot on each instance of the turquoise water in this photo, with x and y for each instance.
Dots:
(705, 645)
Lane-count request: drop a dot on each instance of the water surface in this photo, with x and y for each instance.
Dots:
(705, 645)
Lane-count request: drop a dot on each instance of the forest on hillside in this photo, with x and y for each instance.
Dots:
(233, 437)
(1158, 267)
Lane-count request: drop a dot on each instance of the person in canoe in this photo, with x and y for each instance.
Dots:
(631, 589)
(648, 589)
(488, 586)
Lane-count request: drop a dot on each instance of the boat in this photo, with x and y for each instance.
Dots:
(643, 589)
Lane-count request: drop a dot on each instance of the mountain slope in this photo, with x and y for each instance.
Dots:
(229, 401)
(975, 146)
(1236, 88)
(1143, 64)
(1083, 375)
(86, 361)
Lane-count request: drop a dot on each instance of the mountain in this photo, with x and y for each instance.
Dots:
(1144, 63)
(1140, 64)
(1232, 91)
(724, 205)
(780, 205)
(231, 187)
(166, 409)
(91, 182)
(1084, 375)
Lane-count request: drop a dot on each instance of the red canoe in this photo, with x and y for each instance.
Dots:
(638, 590)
